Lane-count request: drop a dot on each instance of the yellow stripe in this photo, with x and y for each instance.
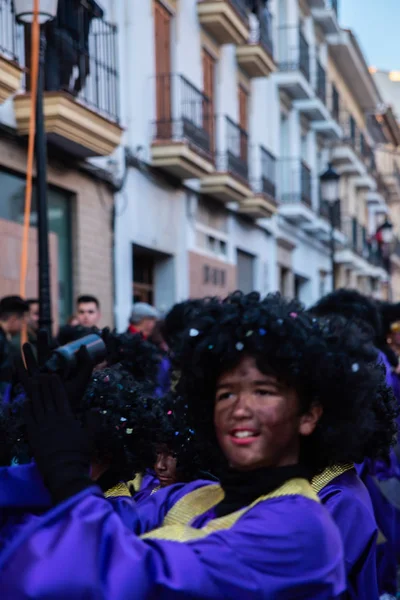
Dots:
(176, 523)
(320, 481)
(121, 489)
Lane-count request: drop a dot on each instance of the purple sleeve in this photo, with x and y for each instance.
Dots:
(285, 548)
(351, 509)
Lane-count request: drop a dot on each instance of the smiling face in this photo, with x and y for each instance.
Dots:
(257, 419)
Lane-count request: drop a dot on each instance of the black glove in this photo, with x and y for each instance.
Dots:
(113, 345)
(58, 442)
(75, 382)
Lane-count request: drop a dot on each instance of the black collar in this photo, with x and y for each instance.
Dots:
(244, 487)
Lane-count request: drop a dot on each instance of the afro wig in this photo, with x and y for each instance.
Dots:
(117, 413)
(172, 430)
(333, 364)
(350, 304)
(135, 355)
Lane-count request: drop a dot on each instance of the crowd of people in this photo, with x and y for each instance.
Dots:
(242, 448)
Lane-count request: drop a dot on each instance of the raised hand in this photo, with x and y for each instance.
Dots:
(58, 442)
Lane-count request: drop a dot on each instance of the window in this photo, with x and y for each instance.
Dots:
(59, 215)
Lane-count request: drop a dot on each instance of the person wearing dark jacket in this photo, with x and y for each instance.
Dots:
(13, 310)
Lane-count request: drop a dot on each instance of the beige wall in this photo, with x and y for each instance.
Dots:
(198, 289)
(346, 99)
(91, 225)
(10, 264)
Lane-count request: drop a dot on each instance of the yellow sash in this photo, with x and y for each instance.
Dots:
(121, 489)
(320, 481)
(176, 523)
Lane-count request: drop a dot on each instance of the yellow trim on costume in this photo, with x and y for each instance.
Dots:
(381, 538)
(320, 481)
(136, 482)
(121, 489)
(176, 523)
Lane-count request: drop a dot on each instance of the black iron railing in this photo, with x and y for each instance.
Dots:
(334, 4)
(335, 102)
(241, 8)
(266, 31)
(237, 149)
(268, 172)
(321, 83)
(305, 184)
(293, 51)
(183, 113)
(81, 59)
(294, 182)
(11, 34)
(327, 212)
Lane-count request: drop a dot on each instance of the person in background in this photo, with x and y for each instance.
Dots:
(73, 321)
(88, 311)
(377, 475)
(13, 312)
(143, 319)
(178, 454)
(85, 321)
(32, 326)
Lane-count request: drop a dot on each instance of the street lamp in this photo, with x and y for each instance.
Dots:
(386, 231)
(330, 195)
(24, 12)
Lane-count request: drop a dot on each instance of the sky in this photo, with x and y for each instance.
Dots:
(376, 25)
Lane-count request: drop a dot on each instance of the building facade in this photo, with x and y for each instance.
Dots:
(81, 118)
(231, 110)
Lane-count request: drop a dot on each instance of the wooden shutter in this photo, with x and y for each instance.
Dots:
(209, 91)
(243, 120)
(162, 24)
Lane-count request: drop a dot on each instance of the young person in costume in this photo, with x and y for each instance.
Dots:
(115, 409)
(179, 456)
(376, 471)
(248, 376)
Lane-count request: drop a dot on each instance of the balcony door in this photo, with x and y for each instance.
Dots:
(243, 121)
(162, 25)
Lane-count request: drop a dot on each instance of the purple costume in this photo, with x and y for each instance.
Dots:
(284, 546)
(347, 500)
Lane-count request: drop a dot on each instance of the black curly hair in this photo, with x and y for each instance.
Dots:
(178, 318)
(14, 448)
(353, 305)
(117, 413)
(172, 429)
(333, 364)
(138, 357)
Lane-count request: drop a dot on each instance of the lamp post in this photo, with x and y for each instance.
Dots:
(330, 195)
(385, 237)
(24, 12)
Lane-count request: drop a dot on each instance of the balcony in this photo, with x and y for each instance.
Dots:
(184, 131)
(326, 15)
(256, 57)
(227, 21)
(294, 191)
(230, 182)
(346, 155)
(360, 254)
(81, 108)
(327, 103)
(262, 204)
(293, 57)
(10, 51)
(388, 164)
